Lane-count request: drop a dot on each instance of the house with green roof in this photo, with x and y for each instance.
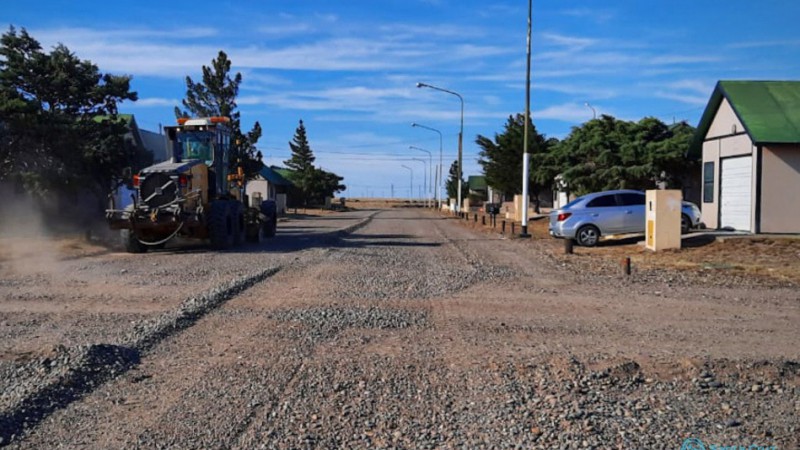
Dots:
(270, 183)
(749, 138)
(477, 186)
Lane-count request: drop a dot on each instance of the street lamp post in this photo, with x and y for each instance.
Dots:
(594, 112)
(460, 136)
(439, 169)
(411, 182)
(424, 172)
(430, 167)
(526, 156)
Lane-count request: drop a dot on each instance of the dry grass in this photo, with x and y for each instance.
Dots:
(762, 256)
(776, 258)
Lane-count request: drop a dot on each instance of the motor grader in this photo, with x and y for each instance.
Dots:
(196, 194)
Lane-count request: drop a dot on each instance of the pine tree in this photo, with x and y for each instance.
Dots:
(216, 95)
(501, 158)
(302, 159)
(452, 183)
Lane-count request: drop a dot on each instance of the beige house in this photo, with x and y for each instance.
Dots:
(749, 136)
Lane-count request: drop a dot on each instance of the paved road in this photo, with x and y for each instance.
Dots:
(414, 332)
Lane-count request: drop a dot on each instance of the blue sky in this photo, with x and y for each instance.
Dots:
(349, 68)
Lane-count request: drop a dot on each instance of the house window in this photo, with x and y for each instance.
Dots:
(708, 182)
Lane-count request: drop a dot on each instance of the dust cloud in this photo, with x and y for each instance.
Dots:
(26, 245)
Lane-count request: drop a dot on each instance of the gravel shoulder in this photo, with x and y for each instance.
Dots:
(414, 331)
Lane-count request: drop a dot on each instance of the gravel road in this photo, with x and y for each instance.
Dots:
(396, 328)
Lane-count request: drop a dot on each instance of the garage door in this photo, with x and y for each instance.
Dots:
(736, 193)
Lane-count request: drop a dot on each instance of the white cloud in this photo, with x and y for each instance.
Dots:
(155, 102)
(595, 14)
(573, 42)
(703, 86)
(285, 29)
(696, 100)
(684, 59)
(763, 44)
(568, 112)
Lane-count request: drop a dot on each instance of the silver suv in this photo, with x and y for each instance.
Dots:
(587, 218)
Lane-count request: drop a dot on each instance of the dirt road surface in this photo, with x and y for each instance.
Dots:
(396, 328)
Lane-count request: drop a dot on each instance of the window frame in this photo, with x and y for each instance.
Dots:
(708, 181)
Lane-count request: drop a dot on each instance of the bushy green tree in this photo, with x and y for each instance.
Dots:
(501, 158)
(59, 129)
(215, 95)
(607, 153)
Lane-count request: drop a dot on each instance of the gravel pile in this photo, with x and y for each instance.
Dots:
(149, 333)
(382, 402)
(41, 386)
(322, 323)
(386, 272)
(36, 388)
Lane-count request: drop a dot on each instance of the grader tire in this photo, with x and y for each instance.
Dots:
(131, 242)
(221, 225)
(255, 233)
(271, 227)
(238, 223)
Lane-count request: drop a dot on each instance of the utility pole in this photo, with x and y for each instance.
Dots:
(526, 157)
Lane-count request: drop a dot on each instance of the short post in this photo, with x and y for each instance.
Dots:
(626, 265)
(483, 220)
(503, 227)
(513, 224)
(568, 243)
(476, 218)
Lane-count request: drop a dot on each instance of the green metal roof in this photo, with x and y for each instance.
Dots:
(769, 111)
(476, 182)
(274, 176)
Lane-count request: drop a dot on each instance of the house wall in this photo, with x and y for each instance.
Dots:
(725, 122)
(261, 186)
(726, 138)
(780, 207)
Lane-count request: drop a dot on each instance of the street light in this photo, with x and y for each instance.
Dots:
(430, 167)
(460, 135)
(439, 182)
(594, 113)
(424, 172)
(411, 183)
(526, 157)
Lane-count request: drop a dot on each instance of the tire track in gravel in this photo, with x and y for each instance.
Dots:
(74, 373)
(182, 389)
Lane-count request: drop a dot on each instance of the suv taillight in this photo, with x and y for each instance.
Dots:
(136, 181)
(563, 216)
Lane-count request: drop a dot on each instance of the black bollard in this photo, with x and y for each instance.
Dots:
(626, 265)
(568, 246)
